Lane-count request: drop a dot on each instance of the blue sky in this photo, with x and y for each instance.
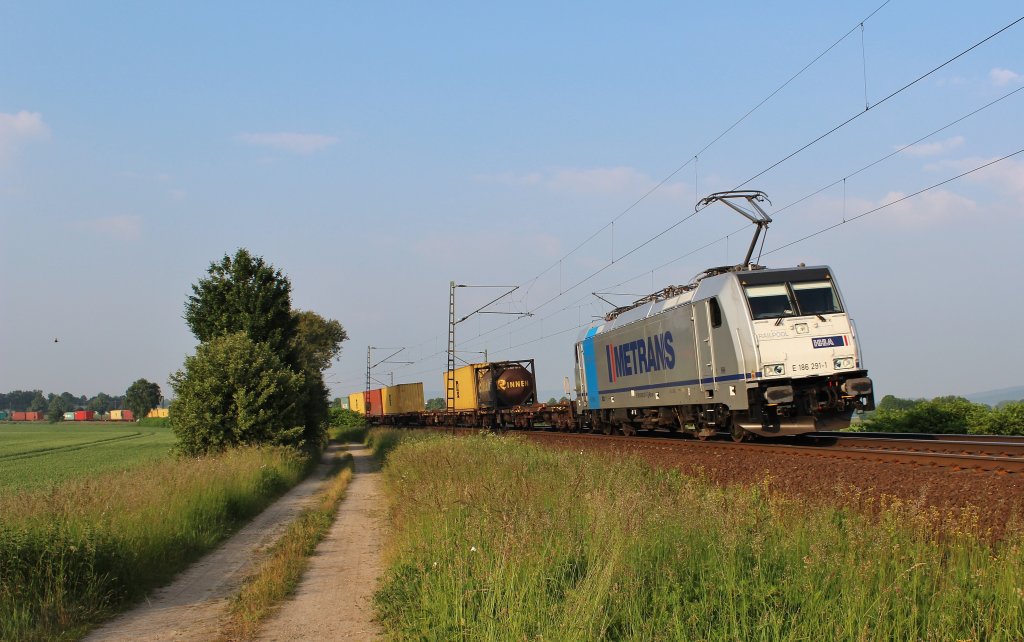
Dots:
(376, 151)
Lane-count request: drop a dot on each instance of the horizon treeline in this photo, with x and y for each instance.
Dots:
(37, 401)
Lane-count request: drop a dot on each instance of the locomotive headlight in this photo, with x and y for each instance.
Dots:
(842, 363)
(774, 370)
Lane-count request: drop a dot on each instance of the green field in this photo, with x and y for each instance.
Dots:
(34, 455)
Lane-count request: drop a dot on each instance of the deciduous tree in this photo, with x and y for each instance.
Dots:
(55, 411)
(243, 294)
(38, 403)
(236, 391)
(141, 397)
(100, 403)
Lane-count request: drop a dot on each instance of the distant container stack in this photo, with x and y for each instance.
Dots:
(157, 413)
(122, 415)
(26, 416)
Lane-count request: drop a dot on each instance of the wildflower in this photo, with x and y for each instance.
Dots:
(472, 549)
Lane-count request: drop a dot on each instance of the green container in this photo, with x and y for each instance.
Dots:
(4, 416)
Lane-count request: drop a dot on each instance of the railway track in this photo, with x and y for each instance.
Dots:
(955, 452)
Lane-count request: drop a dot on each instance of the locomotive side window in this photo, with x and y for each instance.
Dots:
(770, 301)
(716, 313)
(816, 297)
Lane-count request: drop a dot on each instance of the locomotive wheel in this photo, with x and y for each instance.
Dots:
(703, 435)
(739, 433)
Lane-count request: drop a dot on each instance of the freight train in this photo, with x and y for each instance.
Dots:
(742, 350)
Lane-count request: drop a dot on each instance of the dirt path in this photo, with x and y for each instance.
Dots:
(192, 607)
(334, 598)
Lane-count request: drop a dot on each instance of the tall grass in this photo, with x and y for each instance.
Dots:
(495, 539)
(72, 554)
(383, 440)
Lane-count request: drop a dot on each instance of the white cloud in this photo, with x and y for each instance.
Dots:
(933, 149)
(1005, 177)
(118, 228)
(16, 129)
(1002, 77)
(593, 181)
(289, 141)
(931, 207)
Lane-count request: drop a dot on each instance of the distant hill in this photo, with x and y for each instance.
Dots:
(993, 397)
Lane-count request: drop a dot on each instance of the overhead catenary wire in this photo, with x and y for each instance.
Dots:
(776, 212)
(706, 147)
(563, 290)
(759, 174)
(800, 200)
(899, 200)
(529, 283)
(875, 106)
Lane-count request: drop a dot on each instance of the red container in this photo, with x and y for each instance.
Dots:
(33, 416)
(19, 416)
(84, 415)
(374, 407)
(127, 415)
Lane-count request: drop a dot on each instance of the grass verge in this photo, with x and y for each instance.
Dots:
(74, 553)
(382, 441)
(497, 539)
(279, 574)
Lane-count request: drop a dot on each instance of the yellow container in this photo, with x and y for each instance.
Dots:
(115, 415)
(356, 403)
(159, 412)
(405, 397)
(466, 388)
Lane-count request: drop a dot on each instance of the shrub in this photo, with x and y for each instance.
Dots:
(347, 425)
(235, 391)
(1008, 419)
(942, 415)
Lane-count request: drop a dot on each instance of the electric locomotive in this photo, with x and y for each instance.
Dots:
(743, 349)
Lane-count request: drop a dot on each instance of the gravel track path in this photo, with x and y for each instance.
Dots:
(334, 600)
(194, 604)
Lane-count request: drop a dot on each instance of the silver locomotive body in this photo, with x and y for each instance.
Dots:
(745, 351)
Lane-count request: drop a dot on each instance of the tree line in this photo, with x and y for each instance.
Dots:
(141, 397)
(946, 415)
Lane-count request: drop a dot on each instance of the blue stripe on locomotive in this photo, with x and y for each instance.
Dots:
(590, 368)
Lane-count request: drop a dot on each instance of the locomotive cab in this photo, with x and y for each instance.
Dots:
(809, 370)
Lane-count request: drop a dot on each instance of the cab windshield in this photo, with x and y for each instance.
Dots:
(779, 300)
(816, 297)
